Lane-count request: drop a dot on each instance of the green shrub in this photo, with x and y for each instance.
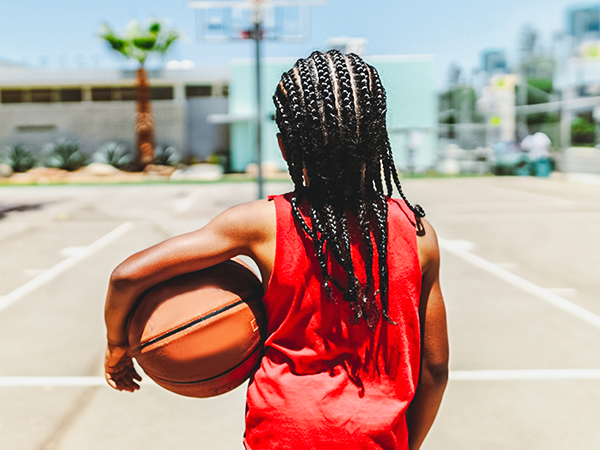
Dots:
(66, 156)
(115, 154)
(583, 132)
(165, 156)
(19, 158)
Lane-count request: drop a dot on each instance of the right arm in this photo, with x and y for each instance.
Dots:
(247, 229)
(434, 343)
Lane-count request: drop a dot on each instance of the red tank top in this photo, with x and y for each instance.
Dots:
(325, 382)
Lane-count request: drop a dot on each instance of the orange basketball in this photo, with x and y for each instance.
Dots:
(200, 334)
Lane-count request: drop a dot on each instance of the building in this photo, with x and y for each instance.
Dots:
(583, 23)
(92, 107)
(200, 111)
(493, 62)
(411, 118)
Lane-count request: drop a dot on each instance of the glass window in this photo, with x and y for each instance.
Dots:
(11, 96)
(162, 93)
(101, 94)
(41, 95)
(198, 91)
(127, 93)
(70, 95)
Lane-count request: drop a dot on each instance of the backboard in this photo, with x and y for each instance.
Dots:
(281, 20)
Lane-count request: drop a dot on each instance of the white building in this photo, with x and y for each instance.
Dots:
(95, 106)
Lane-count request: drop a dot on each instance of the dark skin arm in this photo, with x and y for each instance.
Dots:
(434, 348)
(247, 229)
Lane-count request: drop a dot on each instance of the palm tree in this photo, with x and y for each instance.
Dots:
(138, 43)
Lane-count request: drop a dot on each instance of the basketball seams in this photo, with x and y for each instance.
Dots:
(195, 322)
(214, 377)
(187, 327)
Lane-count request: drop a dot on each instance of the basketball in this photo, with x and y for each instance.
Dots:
(200, 334)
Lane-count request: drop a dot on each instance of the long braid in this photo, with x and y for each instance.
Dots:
(389, 169)
(330, 110)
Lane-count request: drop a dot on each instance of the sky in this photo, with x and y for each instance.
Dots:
(64, 33)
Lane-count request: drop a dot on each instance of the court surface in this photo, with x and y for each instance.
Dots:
(520, 274)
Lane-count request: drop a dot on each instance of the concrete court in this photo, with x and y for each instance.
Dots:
(520, 274)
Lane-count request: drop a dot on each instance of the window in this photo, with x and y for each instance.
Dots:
(41, 95)
(11, 96)
(101, 94)
(127, 94)
(225, 91)
(35, 128)
(70, 95)
(198, 91)
(161, 93)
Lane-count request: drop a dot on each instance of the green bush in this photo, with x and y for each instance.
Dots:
(165, 156)
(66, 156)
(115, 154)
(19, 158)
(583, 132)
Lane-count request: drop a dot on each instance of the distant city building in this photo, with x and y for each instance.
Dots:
(583, 23)
(497, 103)
(493, 62)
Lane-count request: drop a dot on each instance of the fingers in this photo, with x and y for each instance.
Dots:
(119, 370)
(124, 380)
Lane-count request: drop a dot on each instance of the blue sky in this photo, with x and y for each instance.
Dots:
(64, 32)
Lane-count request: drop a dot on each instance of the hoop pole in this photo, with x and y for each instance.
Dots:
(259, 175)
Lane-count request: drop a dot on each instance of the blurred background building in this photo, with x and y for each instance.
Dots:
(201, 112)
(548, 82)
(92, 107)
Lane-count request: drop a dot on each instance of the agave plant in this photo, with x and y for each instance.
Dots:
(66, 156)
(115, 154)
(165, 156)
(19, 158)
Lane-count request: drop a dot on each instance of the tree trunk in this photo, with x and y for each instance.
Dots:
(144, 122)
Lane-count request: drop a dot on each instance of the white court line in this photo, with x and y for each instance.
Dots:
(63, 266)
(455, 375)
(500, 375)
(457, 248)
(51, 381)
(59, 381)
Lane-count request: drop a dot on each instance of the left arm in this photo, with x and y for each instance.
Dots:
(434, 345)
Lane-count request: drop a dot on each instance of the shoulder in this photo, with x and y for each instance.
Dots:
(255, 218)
(429, 251)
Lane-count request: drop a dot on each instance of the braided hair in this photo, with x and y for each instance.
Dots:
(331, 113)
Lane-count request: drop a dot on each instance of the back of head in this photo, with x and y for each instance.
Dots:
(331, 112)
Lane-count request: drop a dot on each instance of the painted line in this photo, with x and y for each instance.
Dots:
(500, 375)
(51, 381)
(60, 381)
(459, 249)
(455, 375)
(63, 266)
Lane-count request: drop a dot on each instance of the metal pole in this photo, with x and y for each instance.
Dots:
(259, 175)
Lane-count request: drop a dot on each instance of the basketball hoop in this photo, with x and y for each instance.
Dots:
(222, 21)
(281, 20)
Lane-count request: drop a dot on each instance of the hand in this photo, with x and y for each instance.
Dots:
(119, 371)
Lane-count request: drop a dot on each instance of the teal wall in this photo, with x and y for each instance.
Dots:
(412, 109)
(242, 102)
